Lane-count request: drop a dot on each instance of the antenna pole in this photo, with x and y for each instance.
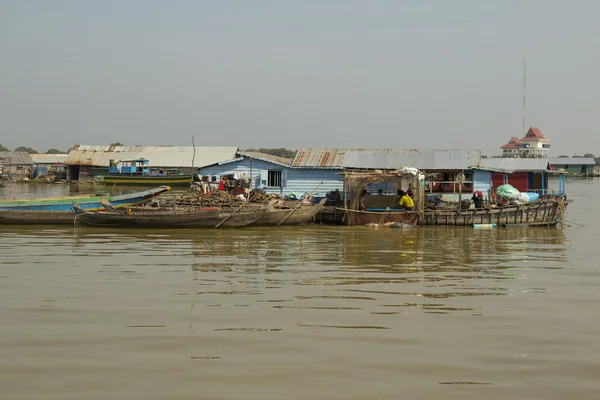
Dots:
(524, 91)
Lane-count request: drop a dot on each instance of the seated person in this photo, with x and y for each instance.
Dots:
(406, 202)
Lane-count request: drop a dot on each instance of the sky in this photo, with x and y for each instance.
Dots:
(307, 73)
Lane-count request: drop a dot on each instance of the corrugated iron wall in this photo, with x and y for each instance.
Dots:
(298, 181)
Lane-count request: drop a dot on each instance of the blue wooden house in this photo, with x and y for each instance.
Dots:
(277, 175)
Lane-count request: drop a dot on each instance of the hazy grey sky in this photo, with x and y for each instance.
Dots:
(306, 73)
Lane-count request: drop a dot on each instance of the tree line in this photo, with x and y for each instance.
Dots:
(31, 150)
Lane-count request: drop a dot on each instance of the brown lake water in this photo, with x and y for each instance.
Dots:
(313, 312)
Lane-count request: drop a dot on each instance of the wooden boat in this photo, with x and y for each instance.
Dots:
(137, 172)
(187, 217)
(36, 217)
(546, 212)
(290, 214)
(88, 203)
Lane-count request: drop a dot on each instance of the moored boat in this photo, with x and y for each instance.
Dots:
(36, 217)
(138, 172)
(293, 214)
(88, 203)
(188, 217)
(543, 212)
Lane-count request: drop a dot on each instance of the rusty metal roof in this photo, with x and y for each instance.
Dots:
(515, 164)
(158, 156)
(267, 157)
(426, 159)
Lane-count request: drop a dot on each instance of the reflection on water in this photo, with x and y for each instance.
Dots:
(295, 313)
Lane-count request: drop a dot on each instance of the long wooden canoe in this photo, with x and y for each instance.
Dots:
(188, 217)
(88, 203)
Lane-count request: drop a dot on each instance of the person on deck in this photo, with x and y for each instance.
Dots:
(363, 200)
(478, 199)
(406, 202)
(222, 184)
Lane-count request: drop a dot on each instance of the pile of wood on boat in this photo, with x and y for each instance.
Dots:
(185, 217)
(216, 199)
(145, 209)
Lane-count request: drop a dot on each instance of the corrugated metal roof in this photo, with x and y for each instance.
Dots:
(426, 159)
(49, 158)
(267, 157)
(12, 158)
(515, 164)
(573, 161)
(158, 156)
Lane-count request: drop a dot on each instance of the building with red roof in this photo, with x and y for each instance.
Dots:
(532, 145)
(511, 149)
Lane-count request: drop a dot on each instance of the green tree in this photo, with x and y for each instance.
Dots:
(117, 144)
(2, 148)
(55, 151)
(23, 149)
(563, 156)
(589, 155)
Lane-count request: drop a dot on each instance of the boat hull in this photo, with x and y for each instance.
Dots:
(185, 218)
(290, 216)
(146, 180)
(29, 217)
(539, 213)
(88, 203)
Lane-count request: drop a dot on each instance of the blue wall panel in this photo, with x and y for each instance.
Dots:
(294, 180)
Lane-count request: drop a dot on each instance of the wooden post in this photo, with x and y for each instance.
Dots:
(421, 199)
(461, 177)
(345, 190)
(251, 178)
(194, 156)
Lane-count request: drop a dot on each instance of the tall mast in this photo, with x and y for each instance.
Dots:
(524, 91)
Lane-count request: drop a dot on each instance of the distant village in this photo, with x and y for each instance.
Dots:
(284, 171)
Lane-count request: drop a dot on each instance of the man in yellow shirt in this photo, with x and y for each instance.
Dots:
(406, 202)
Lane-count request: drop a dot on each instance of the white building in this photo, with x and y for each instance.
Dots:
(532, 145)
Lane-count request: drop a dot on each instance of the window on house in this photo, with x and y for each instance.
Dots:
(274, 179)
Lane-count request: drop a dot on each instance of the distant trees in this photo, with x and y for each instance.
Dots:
(55, 151)
(282, 152)
(117, 144)
(563, 156)
(23, 149)
(2, 148)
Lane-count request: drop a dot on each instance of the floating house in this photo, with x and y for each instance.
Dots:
(85, 162)
(275, 175)
(49, 164)
(322, 171)
(582, 166)
(18, 165)
(525, 174)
